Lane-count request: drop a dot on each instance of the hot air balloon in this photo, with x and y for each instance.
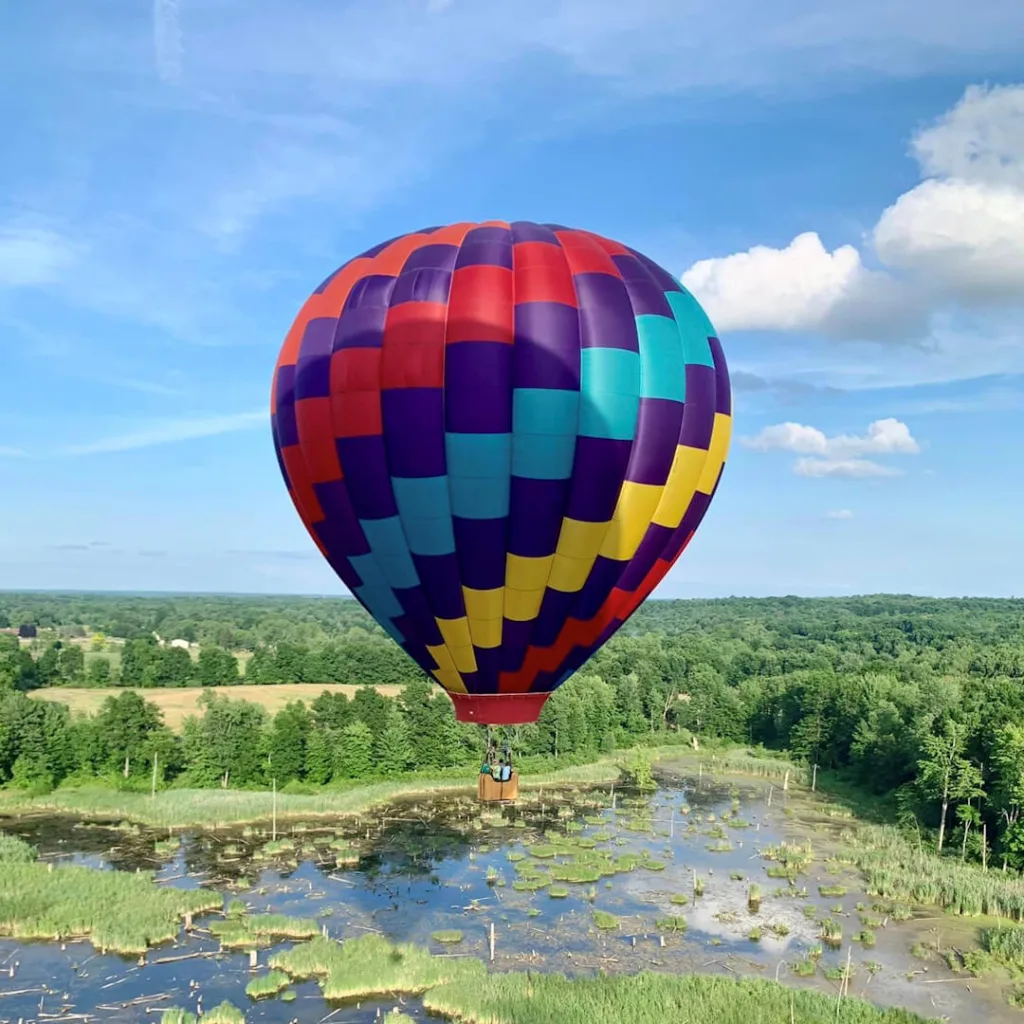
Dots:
(501, 436)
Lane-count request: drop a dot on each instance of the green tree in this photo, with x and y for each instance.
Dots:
(354, 754)
(393, 754)
(287, 747)
(319, 756)
(216, 667)
(945, 774)
(97, 672)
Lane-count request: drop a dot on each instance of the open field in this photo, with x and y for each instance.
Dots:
(177, 704)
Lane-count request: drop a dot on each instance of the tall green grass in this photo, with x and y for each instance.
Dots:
(645, 999)
(179, 808)
(117, 911)
(370, 965)
(897, 870)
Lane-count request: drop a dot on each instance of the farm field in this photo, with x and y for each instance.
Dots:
(178, 703)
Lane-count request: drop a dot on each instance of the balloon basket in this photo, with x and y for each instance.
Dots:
(490, 791)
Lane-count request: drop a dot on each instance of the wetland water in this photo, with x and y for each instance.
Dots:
(431, 866)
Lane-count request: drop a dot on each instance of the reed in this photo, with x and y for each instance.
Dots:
(448, 937)
(119, 912)
(370, 965)
(645, 999)
(267, 985)
(896, 870)
(224, 1013)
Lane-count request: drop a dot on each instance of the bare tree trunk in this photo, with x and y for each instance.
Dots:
(126, 766)
(963, 848)
(942, 820)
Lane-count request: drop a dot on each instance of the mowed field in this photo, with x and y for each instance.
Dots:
(178, 704)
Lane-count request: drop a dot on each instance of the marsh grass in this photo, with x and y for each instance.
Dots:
(175, 1015)
(266, 985)
(896, 870)
(370, 965)
(671, 924)
(1006, 944)
(831, 933)
(119, 912)
(222, 807)
(449, 937)
(260, 929)
(645, 999)
(605, 922)
(15, 851)
(224, 1013)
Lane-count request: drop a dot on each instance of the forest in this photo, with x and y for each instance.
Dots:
(916, 703)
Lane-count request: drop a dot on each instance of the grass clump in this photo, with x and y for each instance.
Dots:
(1006, 944)
(370, 965)
(645, 999)
(832, 890)
(175, 1015)
(605, 921)
(866, 937)
(119, 912)
(250, 932)
(558, 892)
(447, 937)
(674, 923)
(15, 851)
(831, 933)
(579, 873)
(267, 985)
(224, 1013)
(978, 962)
(895, 869)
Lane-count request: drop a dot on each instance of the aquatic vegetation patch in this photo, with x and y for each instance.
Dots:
(266, 985)
(605, 922)
(449, 937)
(259, 929)
(224, 1013)
(119, 912)
(370, 965)
(645, 998)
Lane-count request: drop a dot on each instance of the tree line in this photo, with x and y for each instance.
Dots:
(919, 701)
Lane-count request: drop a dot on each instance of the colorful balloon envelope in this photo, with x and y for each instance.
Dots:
(501, 436)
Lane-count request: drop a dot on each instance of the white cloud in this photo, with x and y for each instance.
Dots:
(7, 452)
(32, 256)
(804, 288)
(980, 139)
(884, 437)
(839, 513)
(965, 239)
(842, 455)
(852, 469)
(955, 239)
(169, 431)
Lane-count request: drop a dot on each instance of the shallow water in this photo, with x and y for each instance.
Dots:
(424, 866)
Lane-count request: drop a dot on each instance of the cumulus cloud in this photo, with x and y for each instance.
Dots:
(883, 437)
(839, 513)
(842, 455)
(957, 238)
(805, 288)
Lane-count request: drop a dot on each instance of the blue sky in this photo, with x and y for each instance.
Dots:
(841, 184)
